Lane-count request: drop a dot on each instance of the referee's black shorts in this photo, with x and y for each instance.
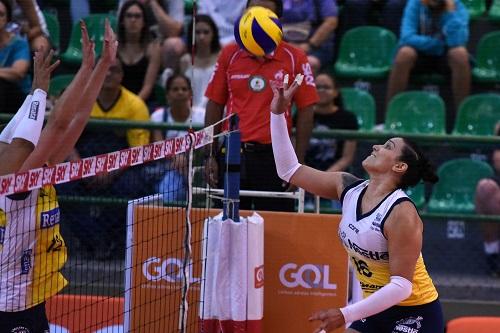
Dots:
(32, 320)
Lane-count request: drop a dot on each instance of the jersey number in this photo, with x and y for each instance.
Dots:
(56, 244)
(362, 267)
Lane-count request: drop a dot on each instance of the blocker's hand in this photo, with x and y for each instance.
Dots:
(43, 68)
(283, 95)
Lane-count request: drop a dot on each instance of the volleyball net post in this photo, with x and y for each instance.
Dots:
(231, 204)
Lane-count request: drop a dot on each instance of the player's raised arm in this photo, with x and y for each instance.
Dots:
(89, 95)
(325, 184)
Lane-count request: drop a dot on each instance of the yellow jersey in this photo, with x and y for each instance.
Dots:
(32, 250)
(363, 238)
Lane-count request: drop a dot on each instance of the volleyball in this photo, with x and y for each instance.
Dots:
(258, 31)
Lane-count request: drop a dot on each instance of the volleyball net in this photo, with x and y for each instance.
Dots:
(118, 230)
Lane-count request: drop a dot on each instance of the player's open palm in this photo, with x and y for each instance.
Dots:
(283, 95)
(88, 47)
(110, 44)
(330, 320)
(43, 68)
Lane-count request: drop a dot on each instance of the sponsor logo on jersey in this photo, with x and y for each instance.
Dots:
(408, 325)
(353, 228)
(20, 329)
(26, 261)
(373, 255)
(257, 83)
(370, 287)
(50, 218)
(34, 110)
(3, 225)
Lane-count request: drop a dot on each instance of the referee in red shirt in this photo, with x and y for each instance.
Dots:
(241, 83)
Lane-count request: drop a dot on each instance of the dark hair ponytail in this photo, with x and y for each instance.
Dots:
(419, 167)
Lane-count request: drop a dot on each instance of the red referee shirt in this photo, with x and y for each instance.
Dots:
(241, 82)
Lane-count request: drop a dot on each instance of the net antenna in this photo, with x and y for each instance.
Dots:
(187, 260)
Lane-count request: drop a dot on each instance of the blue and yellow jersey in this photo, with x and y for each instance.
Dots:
(32, 250)
(363, 238)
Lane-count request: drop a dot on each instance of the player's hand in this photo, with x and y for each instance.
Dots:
(43, 68)
(88, 48)
(40, 42)
(211, 171)
(330, 320)
(110, 44)
(283, 94)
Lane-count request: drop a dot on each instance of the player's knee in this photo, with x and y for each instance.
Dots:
(406, 56)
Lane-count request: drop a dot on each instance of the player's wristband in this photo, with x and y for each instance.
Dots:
(389, 295)
(284, 154)
(8, 131)
(30, 126)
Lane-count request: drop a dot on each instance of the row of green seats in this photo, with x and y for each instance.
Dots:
(454, 192)
(424, 112)
(367, 52)
(477, 8)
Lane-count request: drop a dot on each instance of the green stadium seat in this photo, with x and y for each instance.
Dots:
(95, 27)
(417, 195)
(476, 8)
(159, 94)
(457, 184)
(487, 67)
(494, 12)
(188, 7)
(362, 104)
(54, 28)
(478, 115)
(365, 52)
(415, 112)
(59, 83)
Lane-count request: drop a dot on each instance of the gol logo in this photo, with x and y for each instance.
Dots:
(170, 270)
(308, 276)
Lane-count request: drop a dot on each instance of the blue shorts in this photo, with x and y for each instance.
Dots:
(426, 318)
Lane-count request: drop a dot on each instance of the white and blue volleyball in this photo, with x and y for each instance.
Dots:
(258, 31)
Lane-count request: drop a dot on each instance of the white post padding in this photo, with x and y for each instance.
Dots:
(233, 258)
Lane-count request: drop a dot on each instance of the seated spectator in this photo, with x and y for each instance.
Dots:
(207, 51)
(28, 21)
(384, 13)
(310, 25)
(138, 53)
(331, 154)
(113, 102)
(168, 16)
(224, 16)
(178, 95)
(434, 35)
(14, 64)
(487, 202)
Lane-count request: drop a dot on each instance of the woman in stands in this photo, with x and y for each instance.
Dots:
(32, 251)
(380, 229)
(139, 54)
(207, 50)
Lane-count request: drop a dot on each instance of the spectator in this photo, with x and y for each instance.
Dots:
(488, 203)
(310, 25)
(242, 84)
(14, 63)
(138, 53)
(178, 94)
(207, 50)
(385, 13)
(113, 102)
(223, 15)
(434, 34)
(28, 21)
(331, 154)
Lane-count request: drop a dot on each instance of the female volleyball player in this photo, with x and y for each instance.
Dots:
(380, 229)
(32, 251)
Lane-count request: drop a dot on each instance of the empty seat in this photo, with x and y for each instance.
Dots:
(415, 112)
(417, 195)
(59, 83)
(487, 68)
(365, 52)
(477, 115)
(454, 192)
(476, 8)
(362, 104)
(54, 28)
(494, 12)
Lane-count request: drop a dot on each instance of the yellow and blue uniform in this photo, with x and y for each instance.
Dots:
(32, 250)
(363, 238)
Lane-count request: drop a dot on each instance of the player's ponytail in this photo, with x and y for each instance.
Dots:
(419, 167)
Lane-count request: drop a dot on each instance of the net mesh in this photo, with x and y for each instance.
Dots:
(112, 250)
